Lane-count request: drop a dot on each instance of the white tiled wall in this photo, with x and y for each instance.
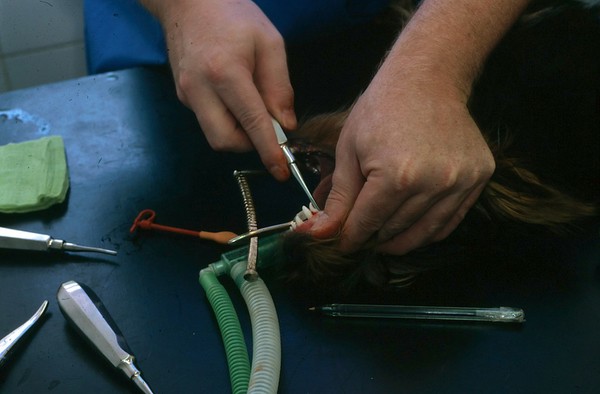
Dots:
(41, 41)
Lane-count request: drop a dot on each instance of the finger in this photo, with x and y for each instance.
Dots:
(246, 105)
(218, 124)
(460, 214)
(374, 205)
(440, 217)
(347, 182)
(409, 212)
(273, 81)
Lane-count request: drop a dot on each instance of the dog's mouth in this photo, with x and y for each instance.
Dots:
(317, 162)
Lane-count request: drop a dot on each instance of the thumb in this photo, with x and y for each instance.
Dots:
(346, 184)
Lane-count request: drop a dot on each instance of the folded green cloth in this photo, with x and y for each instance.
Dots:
(33, 175)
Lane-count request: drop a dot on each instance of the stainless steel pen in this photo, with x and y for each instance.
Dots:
(499, 315)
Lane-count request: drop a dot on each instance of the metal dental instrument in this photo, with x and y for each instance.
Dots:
(494, 315)
(8, 342)
(291, 160)
(16, 239)
(260, 231)
(82, 307)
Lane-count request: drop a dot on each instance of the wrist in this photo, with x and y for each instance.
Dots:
(445, 44)
(427, 72)
(166, 11)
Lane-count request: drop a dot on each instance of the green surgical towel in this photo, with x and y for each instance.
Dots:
(33, 175)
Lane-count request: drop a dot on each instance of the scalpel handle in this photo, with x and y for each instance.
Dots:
(17, 239)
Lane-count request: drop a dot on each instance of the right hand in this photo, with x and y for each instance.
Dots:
(230, 68)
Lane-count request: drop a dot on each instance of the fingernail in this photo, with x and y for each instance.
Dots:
(320, 224)
(279, 173)
(288, 117)
(318, 219)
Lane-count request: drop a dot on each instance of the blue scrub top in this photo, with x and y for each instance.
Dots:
(121, 33)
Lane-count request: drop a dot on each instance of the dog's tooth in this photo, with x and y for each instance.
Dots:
(307, 212)
(293, 225)
(298, 220)
(300, 215)
(312, 208)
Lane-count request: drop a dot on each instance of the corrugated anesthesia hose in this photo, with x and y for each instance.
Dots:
(231, 331)
(266, 357)
(266, 361)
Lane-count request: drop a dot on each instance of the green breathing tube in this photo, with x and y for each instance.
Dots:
(231, 331)
(263, 377)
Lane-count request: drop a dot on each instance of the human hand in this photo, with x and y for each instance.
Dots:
(410, 162)
(230, 68)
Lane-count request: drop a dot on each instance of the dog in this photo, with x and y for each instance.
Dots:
(537, 103)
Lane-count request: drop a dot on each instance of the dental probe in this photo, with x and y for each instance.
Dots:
(82, 307)
(291, 160)
(17, 239)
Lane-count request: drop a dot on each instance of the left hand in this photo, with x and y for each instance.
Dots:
(410, 162)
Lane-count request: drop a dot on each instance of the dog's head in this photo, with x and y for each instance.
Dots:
(514, 198)
(522, 196)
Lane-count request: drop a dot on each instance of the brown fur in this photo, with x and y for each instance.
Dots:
(521, 196)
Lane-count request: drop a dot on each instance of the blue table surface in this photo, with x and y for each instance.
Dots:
(131, 146)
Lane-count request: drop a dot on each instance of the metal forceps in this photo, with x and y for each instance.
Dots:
(8, 342)
(16, 239)
(291, 160)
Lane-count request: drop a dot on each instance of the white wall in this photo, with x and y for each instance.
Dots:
(41, 41)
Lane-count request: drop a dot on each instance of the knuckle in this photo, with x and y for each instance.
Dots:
(389, 232)
(447, 177)
(226, 143)
(215, 68)
(220, 140)
(181, 96)
(214, 65)
(220, 144)
(368, 224)
(401, 178)
(280, 92)
(184, 83)
(273, 40)
(250, 120)
(336, 197)
(432, 230)
(442, 233)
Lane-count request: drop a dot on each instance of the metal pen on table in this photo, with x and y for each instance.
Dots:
(8, 343)
(25, 240)
(82, 307)
(291, 160)
(495, 315)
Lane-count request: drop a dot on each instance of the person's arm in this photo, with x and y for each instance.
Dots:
(410, 160)
(230, 68)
